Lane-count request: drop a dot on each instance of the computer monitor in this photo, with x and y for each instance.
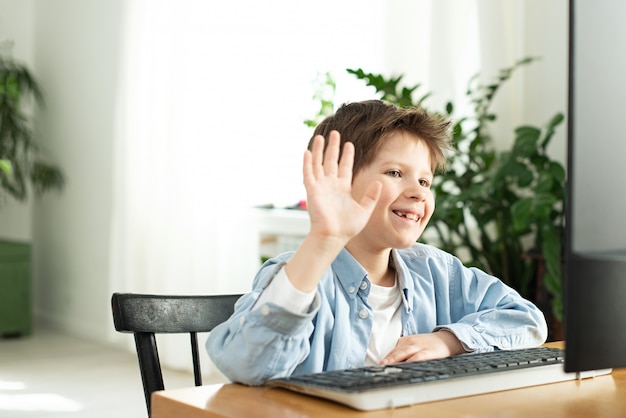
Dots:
(595, 242)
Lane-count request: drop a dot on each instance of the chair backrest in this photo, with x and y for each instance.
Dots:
(146, 315)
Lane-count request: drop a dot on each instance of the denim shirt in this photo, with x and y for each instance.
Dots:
(258, 343)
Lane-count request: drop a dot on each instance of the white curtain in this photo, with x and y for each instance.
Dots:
(211, 102)
(211, 106)
(443, 43)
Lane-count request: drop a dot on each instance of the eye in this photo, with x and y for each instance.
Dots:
(393, 173)
(425, 183)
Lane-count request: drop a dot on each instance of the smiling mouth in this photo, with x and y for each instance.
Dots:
(408, 215)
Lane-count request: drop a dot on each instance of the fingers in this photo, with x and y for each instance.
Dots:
(398, 354)
(331, 156)
(347, 160)
(424, 347)
(409, 354)
(319, 162)
(317, 156)
(307, 167)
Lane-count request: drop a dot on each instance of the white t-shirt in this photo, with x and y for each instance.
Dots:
(387, 327)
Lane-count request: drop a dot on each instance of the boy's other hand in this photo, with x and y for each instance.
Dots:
(418, 347)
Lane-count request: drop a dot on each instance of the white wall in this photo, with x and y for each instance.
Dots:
(74, 47)
(76, 54)
(545, 82)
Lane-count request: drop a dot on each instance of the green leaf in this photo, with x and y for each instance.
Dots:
(514, 169)
(556, 171)
(5, 167)
(527, 130)
(526, 139)
(449, 108)
(45, 176)
(520, 212)
(544, 183)
(542, 205)
(556, 120)
(551, 248)
(552, 283)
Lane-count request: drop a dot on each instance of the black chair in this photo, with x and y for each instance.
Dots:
(146, 315)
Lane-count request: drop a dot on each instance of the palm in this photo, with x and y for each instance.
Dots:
(332, 208)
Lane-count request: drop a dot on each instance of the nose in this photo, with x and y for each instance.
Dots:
(419, 195)
(416, 191)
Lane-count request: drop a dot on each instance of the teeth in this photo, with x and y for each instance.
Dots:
(408, 215)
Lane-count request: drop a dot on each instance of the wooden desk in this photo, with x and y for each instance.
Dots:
(603, 396)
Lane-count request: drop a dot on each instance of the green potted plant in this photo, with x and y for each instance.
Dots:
(23, 169)
(501, 211)
(19, 148)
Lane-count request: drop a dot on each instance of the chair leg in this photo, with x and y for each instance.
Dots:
(149, 365)
(196, 359)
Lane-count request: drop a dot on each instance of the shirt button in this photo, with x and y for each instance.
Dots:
(265, 310)
(363, 314)
(352, 289)
(363, 285)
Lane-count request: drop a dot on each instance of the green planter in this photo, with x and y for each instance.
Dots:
(15, 289)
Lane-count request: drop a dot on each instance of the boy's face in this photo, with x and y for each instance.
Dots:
(403, 166)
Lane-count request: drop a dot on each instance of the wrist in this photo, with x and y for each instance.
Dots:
(311, 260)
(451, 341)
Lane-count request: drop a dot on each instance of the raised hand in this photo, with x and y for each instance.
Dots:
(336, 216)
(328, 181)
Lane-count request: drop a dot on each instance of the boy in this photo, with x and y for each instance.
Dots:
(360, 290)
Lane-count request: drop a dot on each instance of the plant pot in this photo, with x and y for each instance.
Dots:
(15, 289)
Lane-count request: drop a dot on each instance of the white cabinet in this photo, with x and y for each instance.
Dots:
(281, 230)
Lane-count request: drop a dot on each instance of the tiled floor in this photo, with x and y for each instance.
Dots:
(49, 374)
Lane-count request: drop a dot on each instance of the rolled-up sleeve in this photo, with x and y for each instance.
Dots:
(486, 314)
(262, 340)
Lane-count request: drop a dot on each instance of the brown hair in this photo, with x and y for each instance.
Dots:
(368, 123)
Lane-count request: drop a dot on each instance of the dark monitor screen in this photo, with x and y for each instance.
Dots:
(595, 242)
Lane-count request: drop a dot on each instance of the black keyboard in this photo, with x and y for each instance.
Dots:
(403, 384)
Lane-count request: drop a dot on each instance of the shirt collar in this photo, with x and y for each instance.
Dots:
(350, 274)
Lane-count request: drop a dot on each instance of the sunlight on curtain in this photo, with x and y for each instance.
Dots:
(173, 191)
(442, 44)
